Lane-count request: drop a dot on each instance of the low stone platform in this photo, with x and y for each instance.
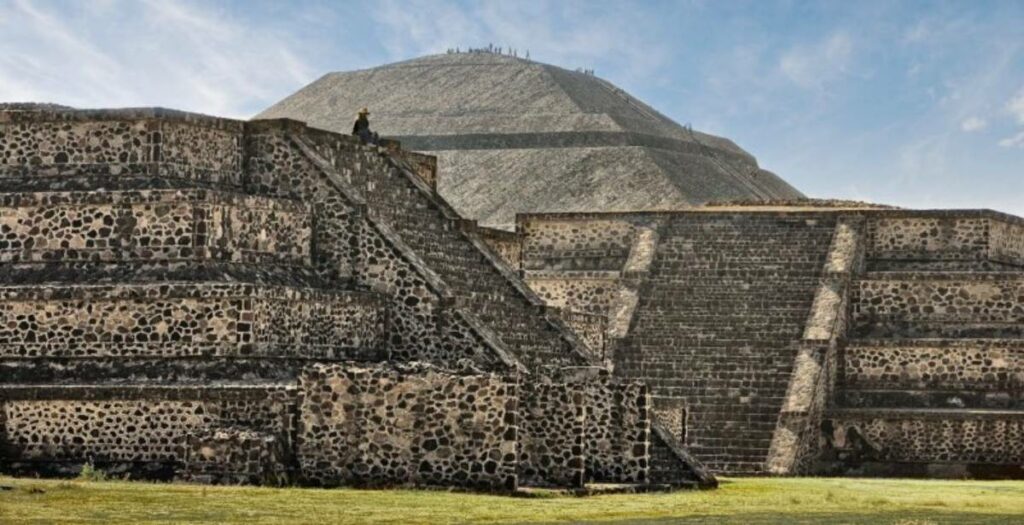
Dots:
(768, 333)
(187, 297)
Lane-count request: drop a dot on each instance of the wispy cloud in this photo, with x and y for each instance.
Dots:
(814, 66)
(1016, 141)
(918, 32)
(971, 124)
(1016, 106)
(123, 53)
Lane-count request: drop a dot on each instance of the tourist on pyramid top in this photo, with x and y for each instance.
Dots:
(361, 128)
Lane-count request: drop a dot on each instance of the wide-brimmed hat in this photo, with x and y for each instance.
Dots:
(364, 111)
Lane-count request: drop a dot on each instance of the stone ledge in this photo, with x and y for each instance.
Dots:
(937, 342)
(983, 213)
(248, 391)
(597, 275)
(926, 414)
(942, 276)
(55, 275)
(987, 397)
(51, 113)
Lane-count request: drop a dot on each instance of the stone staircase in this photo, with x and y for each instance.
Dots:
(480, 281)
(714, 333)
(435, 231)
(930, 381)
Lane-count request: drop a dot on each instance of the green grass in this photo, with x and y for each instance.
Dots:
(747, 501)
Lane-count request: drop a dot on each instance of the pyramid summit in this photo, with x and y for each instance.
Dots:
(516, 136)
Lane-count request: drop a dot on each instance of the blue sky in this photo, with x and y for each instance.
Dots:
(919, 104)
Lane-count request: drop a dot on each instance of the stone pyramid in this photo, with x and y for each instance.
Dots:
(515, 136)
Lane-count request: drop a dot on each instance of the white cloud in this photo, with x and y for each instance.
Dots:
(1016, 106)
(918, 32)
(812, 67)
(973, 124)
(1016, 141)
(174, 53)
(925, 158)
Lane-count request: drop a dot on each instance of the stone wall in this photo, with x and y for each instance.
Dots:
(374, 426)
(618, 431)
(184, 321)
(1006, 241)
(212, 315)
(237, 455)
(591, 428)
(574, 244)
(929, 382)
(61, 147)
(992, 369)
(140, 430)
(930, 305)
(590, 263)
(914, 315)
(346, 424)
(150, 225)
(938, 237)
(944, 240)
(587, 292)
(932, 438)
(553, 435)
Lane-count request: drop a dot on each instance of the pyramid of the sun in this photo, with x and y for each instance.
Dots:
(513, 136)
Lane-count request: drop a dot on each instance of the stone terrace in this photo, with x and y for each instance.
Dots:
(804, 338)
(178, 289)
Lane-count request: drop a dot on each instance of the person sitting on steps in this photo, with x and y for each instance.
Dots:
(361, 128)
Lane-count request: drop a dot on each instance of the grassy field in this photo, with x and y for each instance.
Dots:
(744, 501)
